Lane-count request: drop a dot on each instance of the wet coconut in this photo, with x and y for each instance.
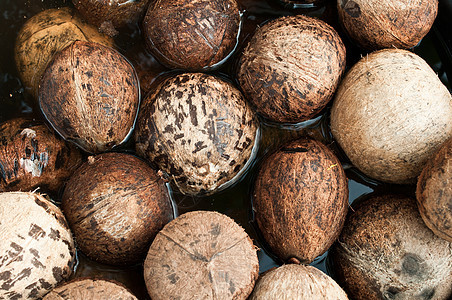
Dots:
(385, 251)
(90, 95)
(291, 68)
(192, 34)
(37, 250)
(115, 204)
(199, 130)
(201, 255)
(300, 200)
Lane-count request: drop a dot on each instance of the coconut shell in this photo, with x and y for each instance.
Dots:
(434, 192)
(192, 34)
(199, 130)
(201, 255)
(37, 250)
(44, 35)
(115, 204)
(90, 95)
(390, 114)
(300, 200)
(374, 24)
(291, 68)
(32, 156)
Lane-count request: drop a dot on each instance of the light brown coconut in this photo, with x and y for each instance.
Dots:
(37, 250)
(115, 204)
(375, 24)
(291, 68)
(385, 251)
(300, 200)
(199, 130)
(296, 282)
(390, 114)
(45, 34)
(90, 95)
(434, 192)
(201, 255)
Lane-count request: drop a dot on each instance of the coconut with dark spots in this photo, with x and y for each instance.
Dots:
(374, 24)
(90, 95)
(300, 200)
(32, 156)
(291, 68)
(199, 131)
(115, 205)
(385, 251)
(37, 250)
(201, 255)
(45, 34)
(192, 34)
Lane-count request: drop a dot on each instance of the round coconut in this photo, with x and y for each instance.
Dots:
(199, 130)
(374, 24)
(300, 200)
(297, 282)
(385, 251)
(90, 95)
(37, 250)
(115, 204)
(434, 192)
(390, 114)
(32, 156)
(192, 34)
(291, 68)
(45, 34)
(201, 255)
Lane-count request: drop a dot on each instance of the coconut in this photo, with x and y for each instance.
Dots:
(45, 34)
(115, 204)
(434, 192)
(300, 200)
(199, 130)
(385, 251)
(37, 250)
(90, 95)
(291, 68)
(192, 34)
(201, 255)
(390, 114)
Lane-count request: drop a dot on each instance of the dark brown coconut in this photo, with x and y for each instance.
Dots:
(192, 34)
(115, 204)
(385, 251)
(300, 200)
(375, 24)
(291, 68)
(201, 255)
(197, 129)
(32, 156)
(90, 95)
(434, 192)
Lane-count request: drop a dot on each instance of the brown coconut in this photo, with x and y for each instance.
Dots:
(32, 156)
(90, 95)
(374, 24)
(115, 204)
(192, 34)
(44, 35)
(297, 282)
(291, 68)
(37, 250)
(385, 251)
(300, 200)
(201, 255)
(434, 192)
(390, 114)
(199, 130)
